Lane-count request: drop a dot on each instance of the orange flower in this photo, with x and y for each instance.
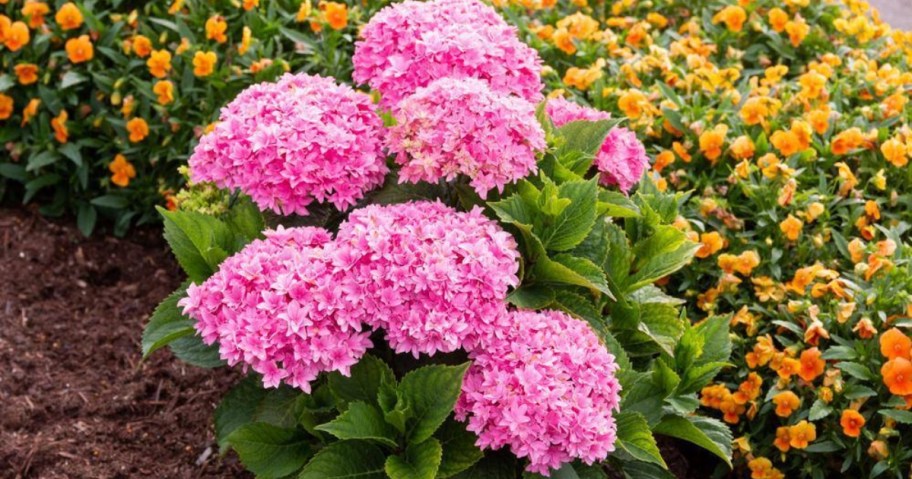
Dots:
(246, 34)
(733, 16)
(778, 18)
(788, 367)
(797, 30)
(760, 467)
(742, 148)
(897, 375)
(27, 73)
(731, 410)
(633, 103)
(711, 142)
(304, 11)
(851, 421)
(165, 91)
(159, 63)
(811, 365)
(80, 50)
(894, 344)
(755, 110)
(786, 142)
(847, 141)
(35, 11)
(802, 434)
(749, 389)
(786, 402)
(895, 152)
(820, 120)
(663, 159)
(138, 129)
(7, 106)
(30, 110)
(215, 29)
(142, 46)
(335, 14)
(122, 171)
(68, 17)
(58, 123)
(204, 63)
(791, 227)
(17, 36)
(250, 4)
(783, 440)
(710, 244)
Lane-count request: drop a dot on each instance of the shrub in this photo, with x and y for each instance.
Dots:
(527, 305)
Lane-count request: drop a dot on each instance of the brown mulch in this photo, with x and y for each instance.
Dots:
(75, 399)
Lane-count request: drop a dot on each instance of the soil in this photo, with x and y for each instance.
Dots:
(76, 401)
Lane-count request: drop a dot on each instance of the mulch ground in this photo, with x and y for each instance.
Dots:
(76, 401)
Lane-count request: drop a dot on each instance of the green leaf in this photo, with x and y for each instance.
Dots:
(645, 398)
(664, 377)
(346, 460)
(819, 410)
(237, 408)
(361, 421)
(710, 434)
(689, 348)
(86, 218)
(716, 340)
(497, 465)
(166, 324)
(395, 411)
(46, 157)
(584, 136)
(635, 438)
(823, 447)
(585, 273)
(245, 221)
(191, 350)
(644, 470)
(566, 471)
(199, 242)
(430, 393)
(698, 376)
(575, 221)
(459, 449)
(420, 461)
(269, 451)
(902, 417)
(71, 78)
(616, 205)
(111, 201)
(660, 255)
(578, 306)
(71, 151)
(856, 370)
(531, 296)
(364, 382)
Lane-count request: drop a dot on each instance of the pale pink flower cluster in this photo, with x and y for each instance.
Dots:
(408, 45)
(460, 126)
(622, 159)
(276, 307)
(544, 386)
(434, 279)
(287, 144)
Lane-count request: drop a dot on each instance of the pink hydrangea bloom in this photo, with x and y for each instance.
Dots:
(544, 386)
(276, 307)
(410, 44)
(622, 159)
(460, 126)
(301, 139)
(435, 279)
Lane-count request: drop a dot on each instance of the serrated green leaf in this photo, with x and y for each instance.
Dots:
(583, 136)
(166, 324)
(191, 350)
(664, 377)
(237, 408)
(199, 242)
(346, 460)
(698, 376)
(430, 393)
(707, 433)
(395, 410)
(716, 340)
(361, 421)
(856, 370)
(363, 383)
(616, 205)
(419, 461)
(459, 449)
(531, 296)
(269, 451)
(576, 219)
(635, 438)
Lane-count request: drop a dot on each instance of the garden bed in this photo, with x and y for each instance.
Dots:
(77, 401)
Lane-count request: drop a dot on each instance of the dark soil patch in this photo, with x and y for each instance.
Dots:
(75, 399)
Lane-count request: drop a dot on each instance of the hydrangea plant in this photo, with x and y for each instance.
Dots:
(486, 308)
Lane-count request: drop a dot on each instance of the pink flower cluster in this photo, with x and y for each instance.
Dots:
(544, 386)
(461, 126)
(408, 45)
(277, 307)
(301, 139)
(622, 159)
(434, 279)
